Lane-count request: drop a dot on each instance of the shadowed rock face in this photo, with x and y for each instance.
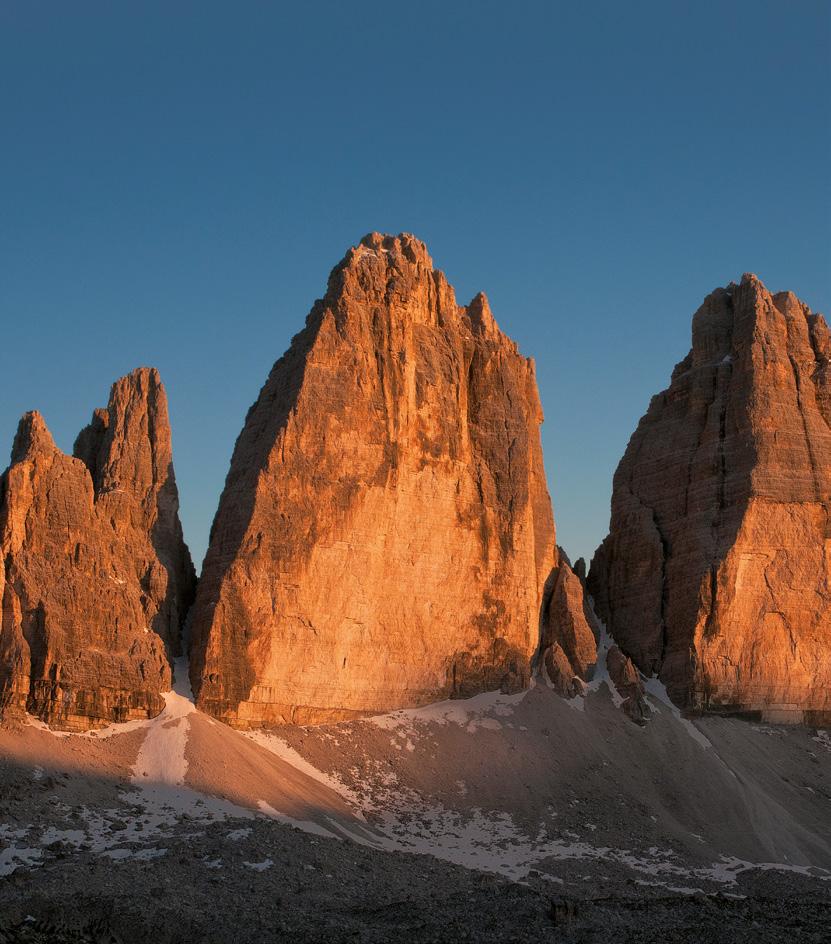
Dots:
(568, 641)
(716, 573)
(96, 578)
(385, 529)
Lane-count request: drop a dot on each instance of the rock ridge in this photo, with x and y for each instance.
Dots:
(96, 578)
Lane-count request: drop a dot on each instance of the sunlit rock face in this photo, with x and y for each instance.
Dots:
(716, 573)
(96, 578)
(385, 531)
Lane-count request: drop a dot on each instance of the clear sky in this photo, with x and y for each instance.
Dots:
(178, 178)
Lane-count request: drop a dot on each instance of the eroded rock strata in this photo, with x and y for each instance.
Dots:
(716, 573)
(96, 578)
(385, 531)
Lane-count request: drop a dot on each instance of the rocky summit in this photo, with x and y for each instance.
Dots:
(716, 573)
(95, 578)
(385, 532)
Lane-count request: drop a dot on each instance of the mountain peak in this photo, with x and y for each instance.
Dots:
(32, 437)
(386, 506)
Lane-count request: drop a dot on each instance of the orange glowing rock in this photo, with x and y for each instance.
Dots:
(385, 530)
(95, 579)
(716, 573)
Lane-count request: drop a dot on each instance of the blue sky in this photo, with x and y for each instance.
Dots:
(177, 179)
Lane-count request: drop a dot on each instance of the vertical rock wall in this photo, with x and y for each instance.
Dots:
(716, 573)
(96, 579)
(385, 531)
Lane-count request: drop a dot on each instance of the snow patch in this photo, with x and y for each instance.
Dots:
(658, 690)
(284, 751)
(307, 825)
(16, 857)
(469, 713)
(259, 866)
(142, 855)
(601, 670)
(161, 758)
(236, 834)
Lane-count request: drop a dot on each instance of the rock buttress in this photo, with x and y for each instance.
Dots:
(716, 573)
(96, 578)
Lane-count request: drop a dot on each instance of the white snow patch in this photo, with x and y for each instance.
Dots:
(120, 834)
(680, 889)
(143, 855)
(236, 834)
(728, 867)
(469, 713)
(161, 759)
(307, 825)
(34, 722)
(284, 751)
(15, 857)
(658, 690)
(73, 837)
(118, 853)
(601, 670)
(493, 843)
(259, 866)
(161, 766)
(578, 703)
(7, 832)
(121, 727)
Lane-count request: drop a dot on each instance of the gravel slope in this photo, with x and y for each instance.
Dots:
(500, 818)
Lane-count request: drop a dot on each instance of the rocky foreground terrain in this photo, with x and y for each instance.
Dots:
(500, 818)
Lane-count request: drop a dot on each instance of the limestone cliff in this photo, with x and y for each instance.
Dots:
(385, 531)
(96, 578)
(716, 573)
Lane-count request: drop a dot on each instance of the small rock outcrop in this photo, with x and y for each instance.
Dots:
(96, 578)
(568, 641)
(716, 573)
(385, 531)
(627, 680)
